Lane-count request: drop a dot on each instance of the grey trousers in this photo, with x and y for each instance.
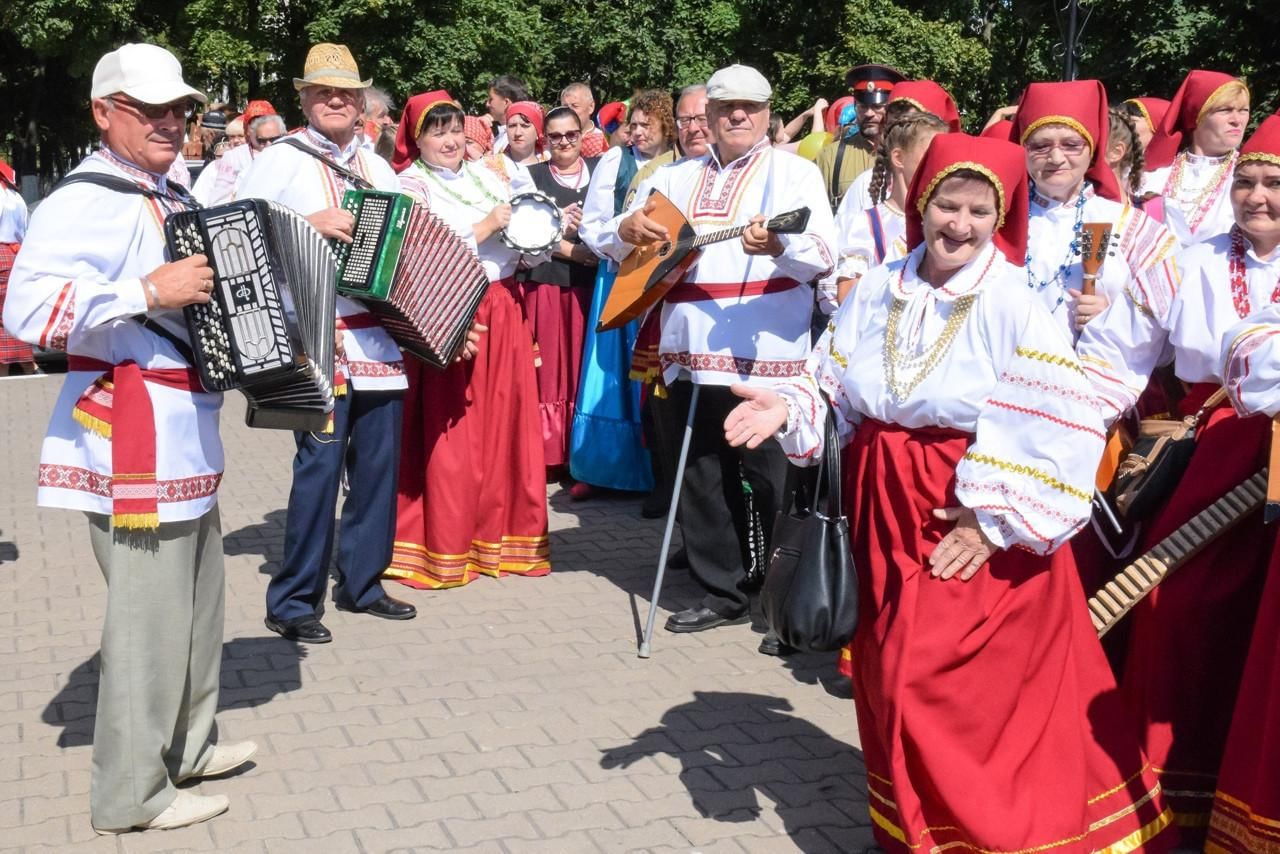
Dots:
(160, 663)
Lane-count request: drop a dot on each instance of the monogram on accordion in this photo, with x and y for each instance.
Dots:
(414, 273)
(268, 329)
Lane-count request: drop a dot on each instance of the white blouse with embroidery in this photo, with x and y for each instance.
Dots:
(1187, 304)
(297, 180)
(1197, 198)
(465, 197)
(741, 318)
(1137, 244)
(978, 355)
(1251, 363)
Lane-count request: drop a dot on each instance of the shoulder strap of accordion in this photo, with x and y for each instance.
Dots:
(357, 181)
(124, 185)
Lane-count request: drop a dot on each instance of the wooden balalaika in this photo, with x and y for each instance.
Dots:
(654, 268)
(1095, 240)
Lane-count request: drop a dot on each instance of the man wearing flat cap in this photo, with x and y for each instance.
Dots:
(366, 419)
(739, 315)
(854, 150)
(133, 443)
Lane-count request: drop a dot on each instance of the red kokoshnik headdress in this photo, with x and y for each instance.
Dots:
(1264, 145)
(1001, 162)
(1184, 113)
(1080, 105)
(411, 121)
(928, 97)
(1153, 110)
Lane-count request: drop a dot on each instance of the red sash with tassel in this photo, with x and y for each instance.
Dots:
(118, 407)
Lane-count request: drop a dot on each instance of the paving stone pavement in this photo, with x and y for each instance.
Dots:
(511, 716)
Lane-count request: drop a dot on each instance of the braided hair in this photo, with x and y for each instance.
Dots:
(902, 133)
(1123, 130)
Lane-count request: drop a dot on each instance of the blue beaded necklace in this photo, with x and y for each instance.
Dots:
(1073, 250)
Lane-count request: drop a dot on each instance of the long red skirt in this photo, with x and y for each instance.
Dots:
(472, 494)
(1246, 806)
(988, 714)
(12, 350)
(1188, 639)
(557, 318)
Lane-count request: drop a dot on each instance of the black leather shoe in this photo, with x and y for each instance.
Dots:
(305, 630)
(771, 644)
(700, 619)
(386, 608)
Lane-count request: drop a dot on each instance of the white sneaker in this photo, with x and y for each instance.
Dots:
(187, 808)
(223, 759)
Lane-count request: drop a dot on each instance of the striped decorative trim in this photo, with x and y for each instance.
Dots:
(78, 479)
(1031, 472)
(1068, 362)
(514, 555)
(1062, 422)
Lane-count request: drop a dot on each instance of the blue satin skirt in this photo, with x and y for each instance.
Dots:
(606, 448)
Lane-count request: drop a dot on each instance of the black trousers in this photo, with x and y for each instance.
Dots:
(712, 512)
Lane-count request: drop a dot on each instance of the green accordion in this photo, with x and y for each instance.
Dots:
(414, 273)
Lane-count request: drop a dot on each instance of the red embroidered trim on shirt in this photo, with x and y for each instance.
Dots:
(1013, 407)
(54, 336)
(707, 205)
(375, 369)
(728, 364)
(96, 483)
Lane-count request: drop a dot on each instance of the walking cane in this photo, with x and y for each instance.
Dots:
(671, 523)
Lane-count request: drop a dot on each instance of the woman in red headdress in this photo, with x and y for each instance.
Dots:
(1147, 114)
(1192, 155)
(526, 144)
(1246, 806)
(472, 492)
(985, 706)
(15, 355)
(1065, 128)
(1188, 639)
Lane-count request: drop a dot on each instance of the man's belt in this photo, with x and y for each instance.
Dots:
(697, 292)
(118, 407)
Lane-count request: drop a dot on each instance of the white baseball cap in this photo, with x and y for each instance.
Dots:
(738, 83)
(145, 72)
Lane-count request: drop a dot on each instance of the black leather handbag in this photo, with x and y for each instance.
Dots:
(810, 594)
(1160, 456)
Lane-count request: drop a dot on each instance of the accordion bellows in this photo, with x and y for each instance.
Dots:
(269, 328)
(421, 280)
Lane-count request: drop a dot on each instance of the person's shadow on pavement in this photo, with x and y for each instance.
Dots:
(254, 671)
(733, 747)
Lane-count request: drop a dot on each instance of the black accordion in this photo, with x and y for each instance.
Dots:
(413, 272)
(269, 328)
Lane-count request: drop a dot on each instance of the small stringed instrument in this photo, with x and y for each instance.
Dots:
(654, 268)
(1095, 239)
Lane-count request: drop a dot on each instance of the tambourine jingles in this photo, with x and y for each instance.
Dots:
(536, 223)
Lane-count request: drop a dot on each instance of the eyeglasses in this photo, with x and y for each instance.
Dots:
(683, 122)
(566, 138)
(156, 112)
(1071, 148)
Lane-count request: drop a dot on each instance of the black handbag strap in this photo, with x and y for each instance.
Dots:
(357, 181)
(828, 488)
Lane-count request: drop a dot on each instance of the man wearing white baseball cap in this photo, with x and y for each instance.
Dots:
(133, 443)
(740, 315)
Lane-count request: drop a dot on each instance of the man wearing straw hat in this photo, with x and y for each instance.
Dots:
(133, 443)
(309, 171)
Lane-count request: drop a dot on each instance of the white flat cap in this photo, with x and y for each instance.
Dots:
(145, 72)
(738, 83)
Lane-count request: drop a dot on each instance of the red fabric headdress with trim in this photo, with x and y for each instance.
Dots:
(415, 111)
(7, 177)
(928, 97)
(1080, 105)
(1184, 113)
(1264, 145)
(477, 130)
(533, 113)
(1002, 129)
(1152, 109)
(1004, 165)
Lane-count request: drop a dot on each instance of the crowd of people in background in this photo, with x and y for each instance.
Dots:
(934, 310)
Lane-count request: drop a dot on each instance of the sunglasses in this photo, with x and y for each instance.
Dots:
(156, 112)
(568, 138)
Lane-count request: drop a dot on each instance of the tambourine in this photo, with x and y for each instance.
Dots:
(536, 223)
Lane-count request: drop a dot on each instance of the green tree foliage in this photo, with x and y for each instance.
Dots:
(984, 51)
